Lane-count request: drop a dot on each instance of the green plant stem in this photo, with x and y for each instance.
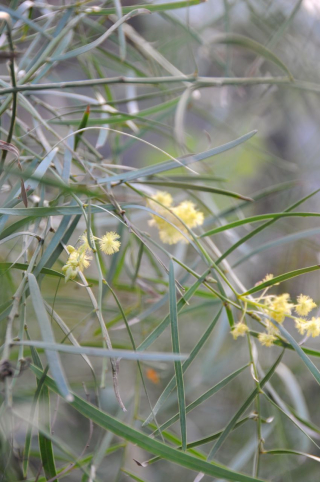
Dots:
(198, 81)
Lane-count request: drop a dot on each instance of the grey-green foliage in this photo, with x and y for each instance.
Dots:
(95, 118)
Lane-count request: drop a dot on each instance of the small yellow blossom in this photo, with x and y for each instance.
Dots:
(240, 329)
(271, 328)
(301, 325)
(167, 227)
(85, 244)
(278, 306)
(188, 214)
(109, 243)
(69, 272)
(268, 277)
(305, 305)
(163, 198)
(266, 339)
(313, 327)
(168, 233)
(77, 261)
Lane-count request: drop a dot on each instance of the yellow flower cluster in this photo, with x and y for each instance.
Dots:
(278, 308)
(79, 259)
(186, 211)
(240, 329)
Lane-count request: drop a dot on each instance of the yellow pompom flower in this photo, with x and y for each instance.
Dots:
(167, 227)
(278, 306)
(305, 305)
(301, 325)
(313, 327)
(77, 261)
(266, 339)
(163, 198)
(109, 243)
(168, 233)
(188, 214)
(240, 329)
(85, 244)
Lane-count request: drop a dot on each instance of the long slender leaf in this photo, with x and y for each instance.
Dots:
(195, 187)
(45, 444)
(168, 165)
(243, 408)
(255, 219)
(204, 396)
(90, 351)
(100, 40)
(280, 278)
(172, 384)
(264, 226)
(248, 43)
(161, 7)
(150, 445)
(313, 369)
(291, 452)
(47, 335)
(176, 349)
(24, 267)
(163, 325)
(290, 238)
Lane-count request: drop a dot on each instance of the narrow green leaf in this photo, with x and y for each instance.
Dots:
(90, 351)
(204, 396)
(40, 387)
(150, 445)
(82, 125)
(255, 219)
(261, 228)
(313, 369)
(175, 178)
(283, 344)
(195, 187)
(172, 384)
(101, 39)
(25, 266)
(45, 444)
(256, 196)
(290, 238)
(163, 325)
(216, 435)
(243, 408)
(196, 443)
(290, 452)
(17, 15)
(119, 117)
(161, 7)
(15, 227)
(248, 43)
(47, 335)
(176, 349)
(133, 476)
(291, 418)
(121, 35)
(280, 278)
(168, 165)
(54, 244)
(53, 211)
